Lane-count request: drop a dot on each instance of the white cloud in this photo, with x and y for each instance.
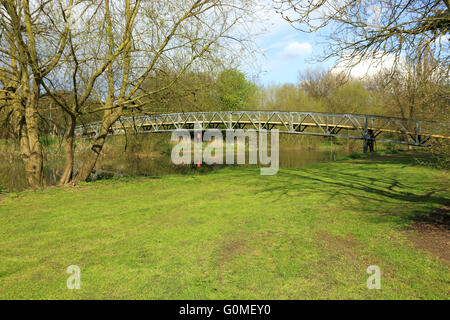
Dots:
(367, 67)
(296, 49)
(442, 40)
(283, 42)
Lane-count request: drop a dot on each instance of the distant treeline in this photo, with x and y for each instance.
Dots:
(411, 91)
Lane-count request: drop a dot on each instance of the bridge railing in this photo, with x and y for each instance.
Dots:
(350, 126)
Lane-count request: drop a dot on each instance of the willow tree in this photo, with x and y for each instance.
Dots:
(28, 53)
(116, 47)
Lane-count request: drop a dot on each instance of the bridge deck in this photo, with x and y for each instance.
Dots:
(366, 127)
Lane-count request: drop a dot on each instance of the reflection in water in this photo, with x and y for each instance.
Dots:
(293, 158)
(131, 164)
(288, 158)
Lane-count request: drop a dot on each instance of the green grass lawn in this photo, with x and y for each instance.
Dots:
(307, 233)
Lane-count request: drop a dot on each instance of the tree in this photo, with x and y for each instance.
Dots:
(415, 90)
(351, 97)
(28, 54)
(193, 91)
(320, 84)
(358, 30)
(115, 48)
(234, 90)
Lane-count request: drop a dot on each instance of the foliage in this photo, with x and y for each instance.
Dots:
(440, 150)
(351, 97)
(414, 89)
(234, 90)
(193, 91)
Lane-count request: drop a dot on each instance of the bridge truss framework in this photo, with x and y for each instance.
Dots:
(367, 128)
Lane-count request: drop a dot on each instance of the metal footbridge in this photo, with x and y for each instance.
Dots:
(368, 128)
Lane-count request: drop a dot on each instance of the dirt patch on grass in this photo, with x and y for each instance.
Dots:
(231, 247)
(346, 256)
(340, 258)
(344, 246)
(432, 232)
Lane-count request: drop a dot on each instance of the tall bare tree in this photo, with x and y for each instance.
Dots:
(116, 47)
(28, 53)
(414, 90)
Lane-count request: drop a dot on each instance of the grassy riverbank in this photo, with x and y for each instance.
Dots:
(136, 155)
(303, 233)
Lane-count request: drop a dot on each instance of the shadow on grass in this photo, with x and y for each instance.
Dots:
(382, 194)
(413, 157)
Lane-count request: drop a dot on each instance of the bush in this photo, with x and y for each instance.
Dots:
(440, 149)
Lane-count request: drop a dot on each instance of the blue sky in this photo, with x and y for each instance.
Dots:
(285, 51)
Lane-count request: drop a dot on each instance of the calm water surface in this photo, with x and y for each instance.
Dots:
(148, 166)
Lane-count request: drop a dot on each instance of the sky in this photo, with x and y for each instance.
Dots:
(284, 51)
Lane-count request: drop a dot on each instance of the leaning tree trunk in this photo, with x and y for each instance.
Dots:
(67, 175)
(108, 119)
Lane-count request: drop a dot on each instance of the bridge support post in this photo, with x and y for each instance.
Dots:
(365, 146)
(366, 135)
(369, 142)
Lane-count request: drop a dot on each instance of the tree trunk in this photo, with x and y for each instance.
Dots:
(108, 119)
(67, 175)
(30, 146)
